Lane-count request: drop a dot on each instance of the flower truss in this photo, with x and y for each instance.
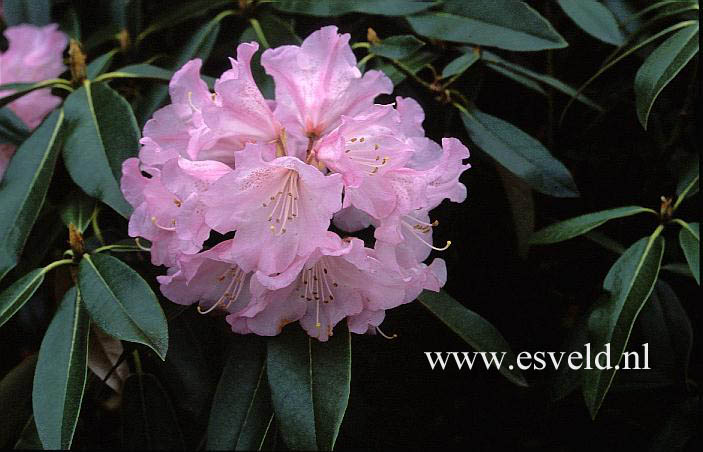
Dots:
(281, 174)
(33, 54)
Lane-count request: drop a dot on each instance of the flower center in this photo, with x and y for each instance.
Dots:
(283, 204)
(316, 285)
(417, 227)
(231, 293)
(365, 156)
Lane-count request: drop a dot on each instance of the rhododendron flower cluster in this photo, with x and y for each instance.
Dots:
(33, 54)
(276, 178)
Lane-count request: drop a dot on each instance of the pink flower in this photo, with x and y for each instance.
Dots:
(279, 208)
(33, 54)
(240, 114)
(208, 278)
(338, 280)
(175, 129)
(438, 172)
(276, 173)
(318, 82)
(168, 207)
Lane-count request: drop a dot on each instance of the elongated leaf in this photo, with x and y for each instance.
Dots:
(60, 378)
(241, 410)
(474, 330)
(397, 47)
(121, 303)
(16, 399)
(35, 12)
(495, 61)
(21, 89)
(148, 419)
(328, 8)
(506, 24)
(690, 241)
(630, 282)
(15, 296)
(624, 52)
(689, 181)
(595, 19)
(666, 327)
(140, 71)
(661, 66)
(184, 12)
(309, 386)
(462, 63)
(102, 133)
(413, 64)
(12, 129)
(77, 209)
(29, 438)
(198, 46)
(100, 64)
(331, 382)
(576, 226)
(24, 186)
(521, 79)
(520, 154)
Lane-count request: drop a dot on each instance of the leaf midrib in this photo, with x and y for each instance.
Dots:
(117, 300)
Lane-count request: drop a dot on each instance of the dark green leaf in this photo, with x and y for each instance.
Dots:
(665, 326)
(576, 226)
(60, 378)
(12, 129)
(184, 12)
(521, 79)
(29, 438)
(198, 46)
(140, 71)
(462, 63)
(100, 64)
(309, 386)
(22, 89)
(474, 330)
(689, 180)
(661, 66)
(331, 381)
(191, 369)
(506, 24)
(595, 19)
(35, 12)
(397, 47)
(148, 419)
(15, 296)
(70, 22)
(494, 62)
(520, 154)
(241, 410)
(566, 380)
(413, 64)
(630, 282)
(690, 241)
(121, 302)
(16, 399)
(77, 209)
(328, 8)
(24, 186)
(102, 133)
